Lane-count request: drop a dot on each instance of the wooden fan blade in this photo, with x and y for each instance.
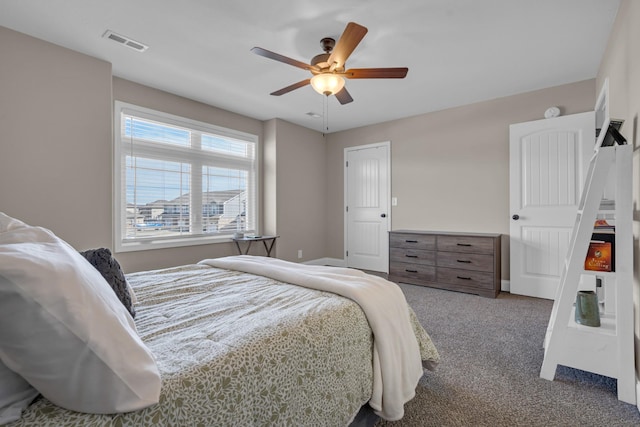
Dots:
(350, 38)
(343, 96)
(277, 57)
(375, 73)
(291, 87)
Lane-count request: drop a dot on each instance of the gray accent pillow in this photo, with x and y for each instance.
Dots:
(110, 269)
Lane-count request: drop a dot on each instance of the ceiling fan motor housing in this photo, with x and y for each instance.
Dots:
(321, 60)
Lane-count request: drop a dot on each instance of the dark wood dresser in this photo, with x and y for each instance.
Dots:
(465, 262)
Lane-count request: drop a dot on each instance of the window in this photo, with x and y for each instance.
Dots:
(180, 182)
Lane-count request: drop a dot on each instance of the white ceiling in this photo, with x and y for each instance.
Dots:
(458, 51)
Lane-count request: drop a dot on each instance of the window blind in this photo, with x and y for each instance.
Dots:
(181, 182)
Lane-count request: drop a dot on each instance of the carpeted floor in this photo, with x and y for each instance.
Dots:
(491, 352)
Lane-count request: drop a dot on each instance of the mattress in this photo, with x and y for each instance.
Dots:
(239, 349)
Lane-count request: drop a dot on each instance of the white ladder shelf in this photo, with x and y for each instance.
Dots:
(609, 349)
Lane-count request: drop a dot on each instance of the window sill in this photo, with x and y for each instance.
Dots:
(144, 245)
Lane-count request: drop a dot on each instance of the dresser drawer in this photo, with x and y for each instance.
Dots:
(471, 244)
(412, 241)
(478, 262)
(412, 273)
(466, 278)
(417, 256)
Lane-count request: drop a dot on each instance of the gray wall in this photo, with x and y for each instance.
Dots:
(449, 169)
(56, 129)
(295, 156)
(55, 139)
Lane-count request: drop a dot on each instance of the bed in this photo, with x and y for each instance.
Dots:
(237, 348)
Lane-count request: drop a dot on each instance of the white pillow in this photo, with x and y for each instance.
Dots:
(15, 395)
(63, 329)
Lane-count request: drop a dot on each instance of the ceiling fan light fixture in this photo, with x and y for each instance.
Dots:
(327, 83)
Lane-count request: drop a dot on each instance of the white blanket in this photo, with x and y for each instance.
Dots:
(396, 356)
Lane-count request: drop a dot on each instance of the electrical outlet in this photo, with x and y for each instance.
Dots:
(299, 253)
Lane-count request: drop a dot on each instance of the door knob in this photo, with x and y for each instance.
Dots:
(516, 217)
(383, 215)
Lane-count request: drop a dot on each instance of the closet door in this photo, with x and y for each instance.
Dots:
(367, 199)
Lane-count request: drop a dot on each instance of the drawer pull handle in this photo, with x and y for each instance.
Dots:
(464, 278)
(464, 261)
(410, 271)
(411, 256)
(411, 241)
(464, 244)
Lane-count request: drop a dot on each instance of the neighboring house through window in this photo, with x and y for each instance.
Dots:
(180, 182)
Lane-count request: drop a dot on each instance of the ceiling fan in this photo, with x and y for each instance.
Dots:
(328, 68)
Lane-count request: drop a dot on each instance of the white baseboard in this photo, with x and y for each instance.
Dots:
(334, 262)
(505, 285)
(637, 393)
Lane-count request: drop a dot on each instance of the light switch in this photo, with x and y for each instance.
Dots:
(394, 201)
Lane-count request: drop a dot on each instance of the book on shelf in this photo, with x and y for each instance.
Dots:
(602, 226)
(601, 252)
(599, 256)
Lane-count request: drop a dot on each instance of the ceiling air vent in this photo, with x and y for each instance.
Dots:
(119, 38)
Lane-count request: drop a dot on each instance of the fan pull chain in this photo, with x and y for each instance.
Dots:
(326, 113)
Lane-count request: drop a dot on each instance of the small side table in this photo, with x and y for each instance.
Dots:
(250, 240)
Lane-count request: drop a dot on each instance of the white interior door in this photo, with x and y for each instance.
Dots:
(367, 207)
(548, 164)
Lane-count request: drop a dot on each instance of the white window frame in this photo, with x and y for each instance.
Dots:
(122, 244)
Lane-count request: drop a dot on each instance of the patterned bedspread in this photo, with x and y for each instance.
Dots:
(239, 349)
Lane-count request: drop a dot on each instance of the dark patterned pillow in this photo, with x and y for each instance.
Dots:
(107, 265)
